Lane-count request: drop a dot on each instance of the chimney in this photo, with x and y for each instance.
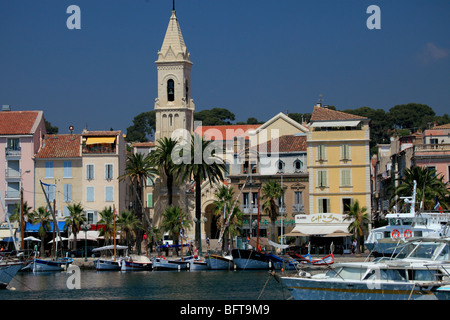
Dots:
(6, 107)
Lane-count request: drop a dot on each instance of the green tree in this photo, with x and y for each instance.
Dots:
(161, 159)
(359, 221)
(222, 209)
(214, 117)
(172, 220)
(200, 163)
(138, 169)
(50, 129)
(128, 224)
(430, 187)
(42, 217)
(142, 128)
(74, 221)
(107, 220)
(27, 213)
(271, 193)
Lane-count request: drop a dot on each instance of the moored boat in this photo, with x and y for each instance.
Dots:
(163, 264)
(46, 265)
(7, 272)
(218, 262)
(249, 259)
(139, 263)
(198, 265)
(422, 274)
(109, 264)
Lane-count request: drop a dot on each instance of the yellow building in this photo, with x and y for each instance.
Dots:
(58, 166)
(338, 161)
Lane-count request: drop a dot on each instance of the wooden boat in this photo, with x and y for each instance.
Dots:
(249, 259)
(218, 262)
(46, 265)
(198, 265)
(110, 264)
(7, 272)
(163, 264)
(136, 263)
(306, 259)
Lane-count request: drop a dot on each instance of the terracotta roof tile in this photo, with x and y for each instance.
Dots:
(101, 133)
(60, 146)
(227, 131)
(288, 143)
(18, 122)
(325, 114)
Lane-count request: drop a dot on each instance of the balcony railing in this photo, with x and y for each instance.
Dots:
(16, 151)
(12, 195)
(249, 208)
(99, 149)
(12, 173)
(433, 147)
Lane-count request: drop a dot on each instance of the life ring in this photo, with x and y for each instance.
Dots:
(162, 257)
(407, 233)
(395, 234)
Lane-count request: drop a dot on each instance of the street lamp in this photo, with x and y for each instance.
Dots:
(86, 226)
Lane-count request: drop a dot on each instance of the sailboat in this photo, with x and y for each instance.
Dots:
(112, 263)
(219, 262)
(58, 264)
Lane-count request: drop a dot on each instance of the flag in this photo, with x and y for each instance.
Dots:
(437, 205)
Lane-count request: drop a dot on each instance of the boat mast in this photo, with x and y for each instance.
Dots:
(257, 220)
(114, 221)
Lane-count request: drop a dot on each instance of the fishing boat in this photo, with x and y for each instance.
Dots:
(198, 265)
(218, 262)
(162, 264)
(404, 225)
(47, 265)
(249, 259)
(8, 270)
(422, 273)
(109, 264)
(306, 259)
(136, 263)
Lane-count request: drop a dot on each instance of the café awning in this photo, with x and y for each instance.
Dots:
(322, 124)
(100, 140)
(329, 230)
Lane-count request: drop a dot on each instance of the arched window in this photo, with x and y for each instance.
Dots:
(298, 165)
(170, 90)
(280, 166)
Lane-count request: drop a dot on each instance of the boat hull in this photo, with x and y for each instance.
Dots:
(40, 265)
(195, 265)
(169, 265)
(313, 289)
(216, 262)
(136, 266)
(107, 265)
(250, 259)
(7, 273)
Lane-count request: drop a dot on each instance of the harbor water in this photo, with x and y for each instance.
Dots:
(146, 285)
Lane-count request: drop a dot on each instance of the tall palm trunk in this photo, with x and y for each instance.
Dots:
(198, 213)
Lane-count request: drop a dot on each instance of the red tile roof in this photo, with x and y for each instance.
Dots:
(60, 146)
(325, 114)
(101, 133)
(226, 132)
(147, 144)
(288, 143)
(18, 122)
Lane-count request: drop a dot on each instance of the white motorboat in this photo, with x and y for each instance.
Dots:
(218, 262)
(402, 226)
(423, 273)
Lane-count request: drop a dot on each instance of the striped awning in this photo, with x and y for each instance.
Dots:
(321, 124)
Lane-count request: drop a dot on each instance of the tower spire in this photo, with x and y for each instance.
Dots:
(173, 5)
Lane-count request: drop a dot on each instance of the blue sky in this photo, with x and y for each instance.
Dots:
(253, 57)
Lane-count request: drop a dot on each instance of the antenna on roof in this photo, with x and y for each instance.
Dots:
(173, 5)
(320, 99)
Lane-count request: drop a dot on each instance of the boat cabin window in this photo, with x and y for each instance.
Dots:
(387, 234)
(407, 222)
(421, 221)
(386, 274)
(350, 273)
(424, 275)
(444, 255)
(424, 250)
(395, 222)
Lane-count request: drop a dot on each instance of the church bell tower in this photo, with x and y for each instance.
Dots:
(174, 107)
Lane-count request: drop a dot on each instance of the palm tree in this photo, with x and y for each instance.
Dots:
(138, 169)
(271, 193)
(200, 164)
(42, 217)
(161, 158)
(128, 224)
(27, 213)
(222, 209)
(75, 220)
(171, 222)
(359, 221)
(107, 220)
(430, 187)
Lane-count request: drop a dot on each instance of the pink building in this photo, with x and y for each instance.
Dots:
(20, 136)
(435, 151)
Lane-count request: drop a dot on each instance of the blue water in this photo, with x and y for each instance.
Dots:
(147, 285)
